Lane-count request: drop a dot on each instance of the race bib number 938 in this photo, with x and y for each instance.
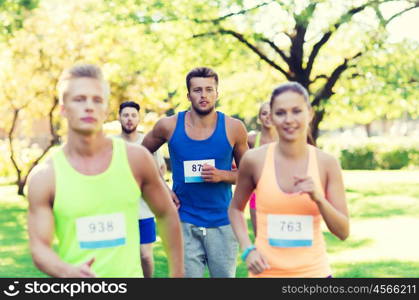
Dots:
(101, 231)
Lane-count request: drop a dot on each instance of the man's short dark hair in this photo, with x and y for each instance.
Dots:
(129, 104)
(201, 72)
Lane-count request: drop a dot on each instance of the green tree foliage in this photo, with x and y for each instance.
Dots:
(312, 42)
(384, 86)
(13, 13)
(35, 56)
(137, 60)
(245, 82)
(146, 48)
(54, 37)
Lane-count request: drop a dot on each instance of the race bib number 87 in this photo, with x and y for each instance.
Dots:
(101, 231)
(193, 169)
(290, 230)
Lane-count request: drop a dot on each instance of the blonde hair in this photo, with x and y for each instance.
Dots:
(80, 71)
(262, 105)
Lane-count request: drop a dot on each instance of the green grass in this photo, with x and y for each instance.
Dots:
(15, 260)
(369, 200)
(382, 269)
(383, 200)
(334, 245)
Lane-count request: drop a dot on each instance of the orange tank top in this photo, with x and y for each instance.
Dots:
(289, 234)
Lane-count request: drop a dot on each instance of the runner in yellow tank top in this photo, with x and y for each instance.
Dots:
(297, 186)
(87, 193)
(266, 135)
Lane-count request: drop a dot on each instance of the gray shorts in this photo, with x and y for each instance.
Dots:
(214, 247)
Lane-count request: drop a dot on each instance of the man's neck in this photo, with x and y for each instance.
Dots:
(130, 137)
(85, 145)
(203, 121)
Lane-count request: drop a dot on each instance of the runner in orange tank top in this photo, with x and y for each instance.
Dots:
(297, 186)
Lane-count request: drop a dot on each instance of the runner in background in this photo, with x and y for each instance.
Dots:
(129, 118)
(266, 135)
(202, 144)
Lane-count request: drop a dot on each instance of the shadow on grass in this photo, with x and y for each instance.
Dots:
(161, 269)
(334, 245)
(18, 263)
(15, 258)
(397, 188)
(13, 228)
(378, 269)
(383, 200)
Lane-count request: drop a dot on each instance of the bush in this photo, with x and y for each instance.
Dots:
(373, 153)
(393, 159)
(358, 159)
(414, 157)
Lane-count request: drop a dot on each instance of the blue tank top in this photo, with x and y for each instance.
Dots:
(201, 204)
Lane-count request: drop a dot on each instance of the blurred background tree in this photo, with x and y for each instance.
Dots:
(12, 15)
(341, 51)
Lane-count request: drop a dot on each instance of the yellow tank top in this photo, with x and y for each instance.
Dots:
(96, 216)
(289, 232)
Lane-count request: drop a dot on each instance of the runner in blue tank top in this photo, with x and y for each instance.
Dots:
(202, 144)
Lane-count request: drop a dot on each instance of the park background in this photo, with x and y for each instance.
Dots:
(358, 59)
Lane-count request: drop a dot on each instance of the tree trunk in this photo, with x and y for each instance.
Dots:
(368, 129)
(21, 185)
(22, 179)
(318, 117)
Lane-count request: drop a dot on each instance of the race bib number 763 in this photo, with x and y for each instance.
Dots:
(288, 231)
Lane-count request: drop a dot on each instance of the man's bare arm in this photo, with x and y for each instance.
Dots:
(159, 200)
(238, 138)
(41, 226)
(160, 134)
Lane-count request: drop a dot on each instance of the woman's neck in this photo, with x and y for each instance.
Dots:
(293, 149)
(269, 134)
